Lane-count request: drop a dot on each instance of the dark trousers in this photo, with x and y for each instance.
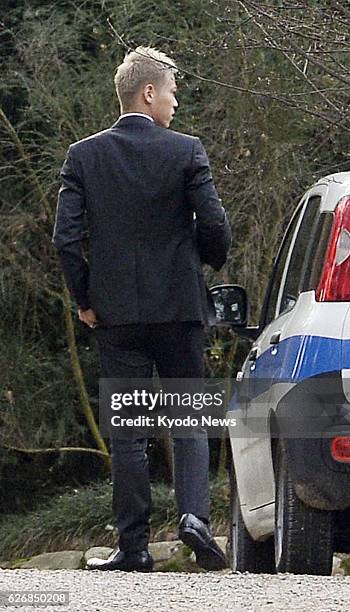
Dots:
(130, 351)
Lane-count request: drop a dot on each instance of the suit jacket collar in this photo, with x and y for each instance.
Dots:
(138, 121)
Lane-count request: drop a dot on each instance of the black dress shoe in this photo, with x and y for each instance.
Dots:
(196, 534)
(124, 561)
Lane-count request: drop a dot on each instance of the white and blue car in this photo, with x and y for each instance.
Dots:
(290, 475)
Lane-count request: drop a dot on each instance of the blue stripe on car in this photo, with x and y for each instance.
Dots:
(300, 357)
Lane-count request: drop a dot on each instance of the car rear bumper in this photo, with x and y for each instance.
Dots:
(321, 411)
(319, 481)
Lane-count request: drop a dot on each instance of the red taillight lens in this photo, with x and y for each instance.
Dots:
(334, 285)
(340, 449)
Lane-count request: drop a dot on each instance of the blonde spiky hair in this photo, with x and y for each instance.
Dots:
(142, 66)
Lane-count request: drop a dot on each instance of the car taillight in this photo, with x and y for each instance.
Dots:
(340, 449)
(334, 285)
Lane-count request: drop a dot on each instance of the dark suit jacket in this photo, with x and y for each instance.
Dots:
(138, 186)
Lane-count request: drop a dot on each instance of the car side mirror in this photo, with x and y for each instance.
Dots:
(231, 305)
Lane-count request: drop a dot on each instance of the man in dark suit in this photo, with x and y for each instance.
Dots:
(153, 218)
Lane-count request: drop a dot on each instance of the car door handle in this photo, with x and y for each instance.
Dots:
(253, 355)
(275, 338)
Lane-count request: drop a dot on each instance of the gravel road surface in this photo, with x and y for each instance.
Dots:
(134, 592)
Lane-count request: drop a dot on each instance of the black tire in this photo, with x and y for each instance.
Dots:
(303, 535)
(244, 553)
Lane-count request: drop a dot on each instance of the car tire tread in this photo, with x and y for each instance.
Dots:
(306, 537)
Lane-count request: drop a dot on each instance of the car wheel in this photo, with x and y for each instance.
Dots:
(303, 535)
(244, 553)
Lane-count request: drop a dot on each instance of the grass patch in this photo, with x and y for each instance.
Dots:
(77, 519)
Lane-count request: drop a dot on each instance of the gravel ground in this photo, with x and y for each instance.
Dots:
(133, 592)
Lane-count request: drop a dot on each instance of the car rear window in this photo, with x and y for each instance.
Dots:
(317, 252)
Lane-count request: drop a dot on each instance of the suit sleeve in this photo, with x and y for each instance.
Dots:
(212, 227)
(69, 232)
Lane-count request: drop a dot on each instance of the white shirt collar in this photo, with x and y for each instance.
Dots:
(135, 115)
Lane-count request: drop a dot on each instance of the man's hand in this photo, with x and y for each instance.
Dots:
(88, 317)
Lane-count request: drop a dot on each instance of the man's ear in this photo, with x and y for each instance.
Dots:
(148, 93)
